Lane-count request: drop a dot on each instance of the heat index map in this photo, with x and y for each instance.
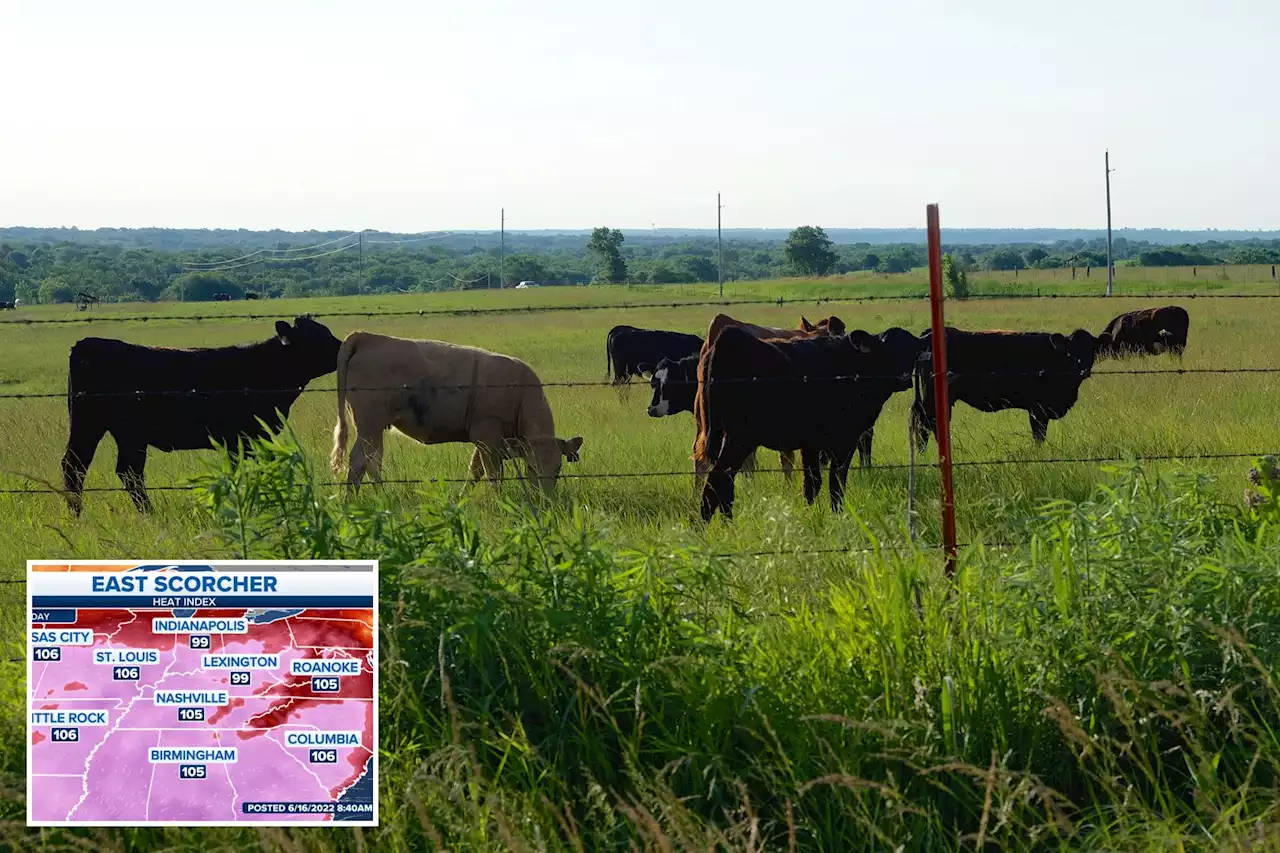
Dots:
(188, 693)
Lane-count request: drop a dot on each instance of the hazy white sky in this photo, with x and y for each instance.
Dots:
(412, 116)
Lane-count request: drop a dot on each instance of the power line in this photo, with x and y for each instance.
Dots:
(265, 250)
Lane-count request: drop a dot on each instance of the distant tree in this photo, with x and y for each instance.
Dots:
(518, 268)
(871, 261)
(55, 289)
(606, 244)
(201, 286)
(1035, 255)
(902, 259)
(701, 269)
(19, 260)
(954, 279)
(1004, 259)
(808, 251)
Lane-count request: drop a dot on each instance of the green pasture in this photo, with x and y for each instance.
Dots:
(1158, 415)
(611, 687)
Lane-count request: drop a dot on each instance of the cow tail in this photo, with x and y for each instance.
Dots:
(702, 411)
(336, 457)
(608, 357)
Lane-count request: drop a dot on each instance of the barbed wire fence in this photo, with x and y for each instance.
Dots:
(141, 394)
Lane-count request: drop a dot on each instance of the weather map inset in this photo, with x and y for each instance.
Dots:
(185, 693)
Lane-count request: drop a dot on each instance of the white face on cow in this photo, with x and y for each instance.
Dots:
(660, 405)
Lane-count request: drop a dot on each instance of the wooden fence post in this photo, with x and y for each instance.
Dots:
(941, 397)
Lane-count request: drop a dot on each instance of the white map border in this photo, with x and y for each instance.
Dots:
(252, 824)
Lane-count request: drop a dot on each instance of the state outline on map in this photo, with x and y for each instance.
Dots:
(280, 699)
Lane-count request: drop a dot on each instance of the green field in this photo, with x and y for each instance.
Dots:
(800, 608)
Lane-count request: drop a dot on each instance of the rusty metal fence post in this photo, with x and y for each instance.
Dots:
(941, 397)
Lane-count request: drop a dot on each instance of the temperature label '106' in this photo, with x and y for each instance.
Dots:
(216, 694)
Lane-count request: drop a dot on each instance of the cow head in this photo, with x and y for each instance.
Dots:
(309, 345)
(1080, 347)
(674, 387)
(904, 348)
(569, 448)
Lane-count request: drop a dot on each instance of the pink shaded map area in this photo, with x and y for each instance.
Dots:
(107, 776)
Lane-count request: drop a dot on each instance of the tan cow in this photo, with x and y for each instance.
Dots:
(438, 393)
(825, 327)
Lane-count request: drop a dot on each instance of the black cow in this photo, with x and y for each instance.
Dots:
(6, 306)
(634, 352)
(793, 402)
(222, 297)
(167, 398)
(1150, 331)
(1039, 372)
(675, 385)
(249, 294)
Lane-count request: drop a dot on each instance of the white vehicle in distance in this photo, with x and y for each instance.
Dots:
(525, 284)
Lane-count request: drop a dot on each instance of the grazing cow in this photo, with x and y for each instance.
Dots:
(6, 306)
(631, 352)
(249, 294)
(975, 361)
(17, 303)
(799, 405)
(437, 393)
(1150, 331)
(904, 349)
(169, 398)
(222, 297)
(832, 325)
(569, 449)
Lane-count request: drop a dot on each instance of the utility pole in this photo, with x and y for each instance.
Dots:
(1110, 264)
(502, 251)
(719, 248)
(361, 235)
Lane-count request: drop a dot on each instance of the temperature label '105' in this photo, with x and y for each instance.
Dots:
(216, 694)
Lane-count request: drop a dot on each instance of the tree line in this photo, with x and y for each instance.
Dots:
(45, 271)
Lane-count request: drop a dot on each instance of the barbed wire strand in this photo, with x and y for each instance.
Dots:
(82, 317)
(626, 475)
(605, 383)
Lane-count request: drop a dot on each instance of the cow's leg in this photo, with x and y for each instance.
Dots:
(490, 443)
(476, 468)
(864, 447)
(81, 446)
(787, 458)
(718, 491)
(840, 461)
(131, 463)
(1039, 426)
(811, 462)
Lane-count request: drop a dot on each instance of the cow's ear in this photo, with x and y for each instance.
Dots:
(282, 331)
(1058, 342)
(861, 342)
(835, 325)
(806, 325)
(574, 444)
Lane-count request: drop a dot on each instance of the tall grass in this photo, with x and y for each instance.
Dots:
(1109, 685)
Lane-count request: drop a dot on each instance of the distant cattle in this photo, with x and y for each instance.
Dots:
(249, 294)
(787, 395)
(437, 393)
(181, 399)
(634, 352)
(85, 300)
(6, 306)
(1039, 372)
(222, 297)
(1150, 331)
(827, 326)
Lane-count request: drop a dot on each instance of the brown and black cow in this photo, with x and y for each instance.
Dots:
(1039, 372)
(1151, 331)
(787, 395)
(825, 327)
